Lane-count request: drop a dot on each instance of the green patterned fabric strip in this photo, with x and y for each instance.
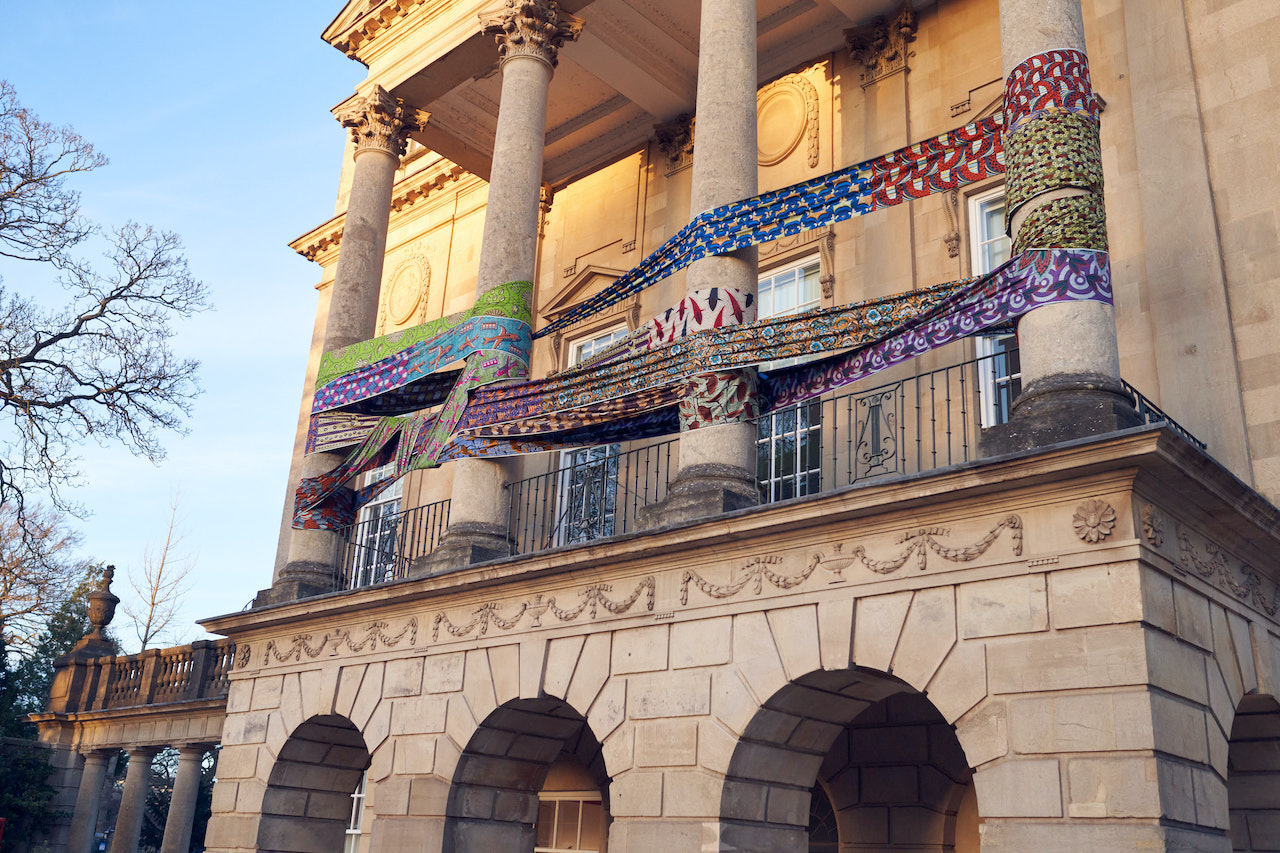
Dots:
(1049, 152)
(1079, 222)
(507, 300)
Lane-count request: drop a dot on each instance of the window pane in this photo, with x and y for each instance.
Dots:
(567, 824)
(546, 823)
(592, 826)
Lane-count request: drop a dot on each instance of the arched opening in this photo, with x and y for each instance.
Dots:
(307, 805)
(1253, 775)
(849, 760)
(531, 778)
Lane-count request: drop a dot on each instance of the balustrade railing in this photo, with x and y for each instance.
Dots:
(152, 677)
(875, 429)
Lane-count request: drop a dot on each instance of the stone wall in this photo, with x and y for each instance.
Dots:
(1074, 643)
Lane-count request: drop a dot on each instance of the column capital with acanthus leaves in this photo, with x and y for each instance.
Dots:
(535, 28)
(379, 121)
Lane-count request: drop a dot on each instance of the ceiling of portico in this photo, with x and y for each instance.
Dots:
(634, 66)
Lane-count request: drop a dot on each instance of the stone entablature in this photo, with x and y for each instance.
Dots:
(1031, 601)
(321, 243)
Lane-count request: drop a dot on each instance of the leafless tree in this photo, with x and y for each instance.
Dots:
(101, 366)
(38, 572)
(160, 585)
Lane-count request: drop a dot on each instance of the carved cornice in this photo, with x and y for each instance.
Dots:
(381, 122)
(350, 33)
(407, 192)
(536, 28)
(675, 139)
(881, 46)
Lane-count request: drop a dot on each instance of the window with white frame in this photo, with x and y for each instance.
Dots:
(569, 822)
(588, 476)
(352, 843)
(789, 441)
(999, 373)
(375, 534)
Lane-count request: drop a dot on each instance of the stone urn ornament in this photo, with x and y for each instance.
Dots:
(102, 605)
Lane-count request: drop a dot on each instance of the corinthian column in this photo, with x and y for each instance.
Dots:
(380, 126)
(717, 457)
(529, 34)
(1070, 360)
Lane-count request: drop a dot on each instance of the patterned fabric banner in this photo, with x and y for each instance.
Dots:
(510, 300)
(953, 159)
(635, 396)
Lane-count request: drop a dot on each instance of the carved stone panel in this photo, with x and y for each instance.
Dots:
(786, 114)
(404, 298)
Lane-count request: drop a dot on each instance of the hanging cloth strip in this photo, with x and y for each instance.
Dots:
(953, 159)
(634, 395)
(498, 322)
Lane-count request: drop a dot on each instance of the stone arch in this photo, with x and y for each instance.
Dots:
(1253, 774)
(892, 766)
(307, 802)
(493, 801)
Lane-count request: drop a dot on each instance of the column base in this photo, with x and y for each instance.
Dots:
(464, 544)
(298, 580)
(1061, 408)
(701, 491)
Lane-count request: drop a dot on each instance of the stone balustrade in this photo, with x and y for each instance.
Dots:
(155, 676)
(102, 704)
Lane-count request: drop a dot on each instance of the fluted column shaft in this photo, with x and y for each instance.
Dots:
(133, 805)
(84, 819)
(182, 805)
(1069, 356)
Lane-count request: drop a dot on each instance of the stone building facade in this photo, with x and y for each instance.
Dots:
(980, 601)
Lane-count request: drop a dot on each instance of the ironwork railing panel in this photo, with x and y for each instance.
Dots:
(589, 499)
(387, 548)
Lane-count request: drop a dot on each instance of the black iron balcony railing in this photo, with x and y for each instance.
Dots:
(386, 547)
(916, 423)
(597, 493)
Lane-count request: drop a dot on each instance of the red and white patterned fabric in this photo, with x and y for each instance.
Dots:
(701, 310)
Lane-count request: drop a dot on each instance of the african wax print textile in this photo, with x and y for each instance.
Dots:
(509, 300)
(1021, 284)
(953, 159)
(699, 311)
(1056, 81)
(331, 431)
(421, 359)
(1079, 222)
(634, 396)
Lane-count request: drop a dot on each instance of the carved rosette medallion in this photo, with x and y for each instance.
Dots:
(787, 112)
(536, 28)
(881, 46)
(380, 122)
(1152, 528)
(1093, 521)
(405, 295)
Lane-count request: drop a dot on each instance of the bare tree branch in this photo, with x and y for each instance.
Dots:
(160, 584)
(37, 573)
(101, 367)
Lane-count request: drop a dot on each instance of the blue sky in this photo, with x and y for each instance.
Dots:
(215, 119)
